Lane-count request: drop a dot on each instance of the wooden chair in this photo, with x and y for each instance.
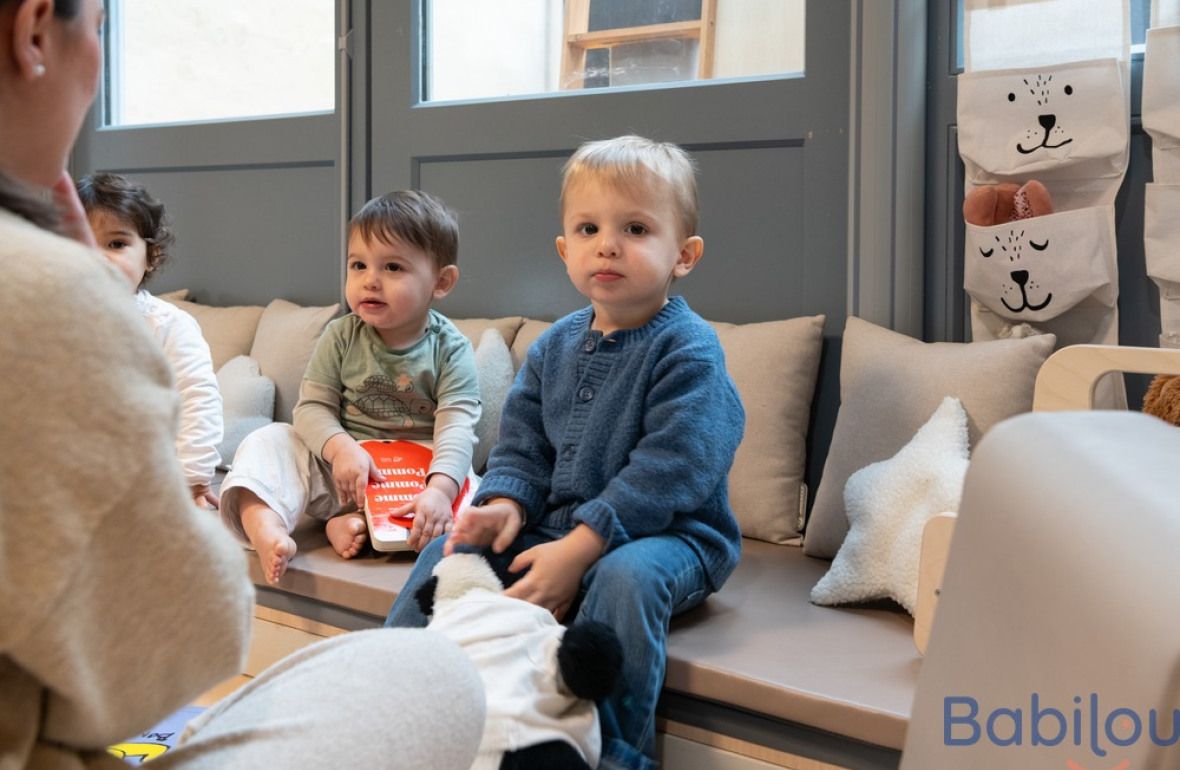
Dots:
(1065, 382)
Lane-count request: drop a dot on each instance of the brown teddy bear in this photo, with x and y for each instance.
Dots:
(1162, 398)
(996, 204)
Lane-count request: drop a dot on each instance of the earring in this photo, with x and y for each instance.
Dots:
(38, 70)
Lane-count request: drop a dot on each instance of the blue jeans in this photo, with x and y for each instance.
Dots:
(635, 589)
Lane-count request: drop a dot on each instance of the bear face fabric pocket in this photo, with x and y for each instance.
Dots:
(1033, 270)
(1060, 124)
(1161, 101)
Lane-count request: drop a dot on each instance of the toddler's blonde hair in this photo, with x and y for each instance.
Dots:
(633, 162)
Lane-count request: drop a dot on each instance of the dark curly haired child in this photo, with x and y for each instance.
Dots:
(132, 230)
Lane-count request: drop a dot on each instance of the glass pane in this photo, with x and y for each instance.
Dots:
(655, 61)
(475, 49)
(192, 60)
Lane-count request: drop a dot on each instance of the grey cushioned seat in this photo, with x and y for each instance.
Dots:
(758, 646)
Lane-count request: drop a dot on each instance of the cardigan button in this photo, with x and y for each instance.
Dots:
(586, 393)
(589, 345)
(569, 452)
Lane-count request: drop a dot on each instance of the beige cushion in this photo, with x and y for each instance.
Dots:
(890, 384)
(526, 336)
(493, 367)
(774, 366)
(228, 330)
(286, 336)
(473, 328)
(172, 296)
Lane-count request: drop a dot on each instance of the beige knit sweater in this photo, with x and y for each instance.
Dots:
(119, 600)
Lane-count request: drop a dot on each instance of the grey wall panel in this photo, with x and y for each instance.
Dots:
(246, 236)
(755, 266)
(508, 220)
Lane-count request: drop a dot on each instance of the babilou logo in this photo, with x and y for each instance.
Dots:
(1086, 723)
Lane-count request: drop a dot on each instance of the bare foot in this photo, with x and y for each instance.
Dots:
(347, 533)
(268, 535)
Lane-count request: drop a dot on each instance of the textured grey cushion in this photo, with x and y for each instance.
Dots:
(248, 402)
(890, 384)
(493, 367)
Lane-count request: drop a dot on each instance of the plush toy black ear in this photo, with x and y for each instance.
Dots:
(590, 659)
(425, 595)
(550, 755)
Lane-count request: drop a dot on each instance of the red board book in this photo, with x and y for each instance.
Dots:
(404, 464)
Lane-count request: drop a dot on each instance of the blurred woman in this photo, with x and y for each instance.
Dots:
(118, 603)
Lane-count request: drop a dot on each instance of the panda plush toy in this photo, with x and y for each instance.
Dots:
(540, 678)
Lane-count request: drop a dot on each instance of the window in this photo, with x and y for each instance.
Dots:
(195, 60)
(478, 50)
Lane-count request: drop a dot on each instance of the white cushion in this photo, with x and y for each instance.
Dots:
(888, 504)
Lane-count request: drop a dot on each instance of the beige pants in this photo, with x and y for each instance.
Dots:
(275, 464)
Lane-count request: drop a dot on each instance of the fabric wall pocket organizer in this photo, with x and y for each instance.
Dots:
(1045, 95)
(1034, 270)
(1065, 125)
(1161, 226)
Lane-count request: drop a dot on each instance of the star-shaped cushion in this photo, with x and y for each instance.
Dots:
(888, 504)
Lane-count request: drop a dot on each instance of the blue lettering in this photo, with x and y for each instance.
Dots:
(950, 720)
(1094, 747)
(1035, 722)
(1153, 725)
(1136, 727)
(1013, 714)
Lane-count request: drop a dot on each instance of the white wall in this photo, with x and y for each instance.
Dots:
(209, 59)
(483, 49)
(487, 49)
(758, 37)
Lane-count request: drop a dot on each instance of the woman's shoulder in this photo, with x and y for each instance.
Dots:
(37, 264)
(38, 255)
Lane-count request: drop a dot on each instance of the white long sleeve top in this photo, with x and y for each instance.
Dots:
(201, 426)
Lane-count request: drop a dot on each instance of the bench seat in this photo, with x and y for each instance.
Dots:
(759, 647)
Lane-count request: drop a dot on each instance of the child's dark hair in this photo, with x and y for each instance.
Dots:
(130, 201)
(414, 217)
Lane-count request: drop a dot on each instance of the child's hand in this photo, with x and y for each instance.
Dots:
(556, 570)
(432, 517)
(498, 521)
(73, 216)
(352, 467)
(204, 497)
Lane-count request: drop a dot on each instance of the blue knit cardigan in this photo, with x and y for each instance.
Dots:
(632, 433)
